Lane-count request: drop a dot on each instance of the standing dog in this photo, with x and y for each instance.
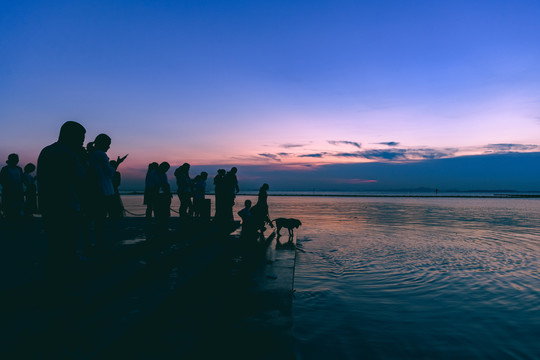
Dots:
(288, 224)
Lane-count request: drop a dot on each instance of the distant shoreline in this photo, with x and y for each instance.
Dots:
(475, 196)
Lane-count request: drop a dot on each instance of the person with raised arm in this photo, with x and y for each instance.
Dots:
(103, 173)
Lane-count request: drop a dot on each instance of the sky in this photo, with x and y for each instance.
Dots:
(301, 94)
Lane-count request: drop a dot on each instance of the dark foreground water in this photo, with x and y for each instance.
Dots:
(413, 278)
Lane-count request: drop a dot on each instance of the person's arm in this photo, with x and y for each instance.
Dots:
(269, 221)
(120, 160)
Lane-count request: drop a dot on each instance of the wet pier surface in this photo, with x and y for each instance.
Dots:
(197, 292)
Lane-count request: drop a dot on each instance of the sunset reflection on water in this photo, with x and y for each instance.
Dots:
(408, 278)
(416, 277)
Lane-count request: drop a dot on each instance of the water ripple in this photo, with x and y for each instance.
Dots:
(421, 279)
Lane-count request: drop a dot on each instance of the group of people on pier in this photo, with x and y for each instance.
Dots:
(192, 197)
(19, 195)
(78, 190)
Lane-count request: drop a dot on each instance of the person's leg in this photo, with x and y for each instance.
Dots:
(100, 217)
(184, 204)
(190, 206)
(62, 234)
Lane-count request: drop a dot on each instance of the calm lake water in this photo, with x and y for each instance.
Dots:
(413, 278)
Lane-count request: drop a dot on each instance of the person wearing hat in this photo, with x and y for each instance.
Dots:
(11, 180)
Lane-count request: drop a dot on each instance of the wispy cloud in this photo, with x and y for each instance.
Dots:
(430, 154)
(393, 155)
(344, 142)
(502, 148)
(317, 155)
(270, 156)
(357, 154)
(290, 146)
(389, 143)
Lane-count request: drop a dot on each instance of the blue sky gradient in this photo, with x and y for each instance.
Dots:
(283, 85)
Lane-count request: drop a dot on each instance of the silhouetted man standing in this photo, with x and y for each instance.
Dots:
(11, 180)
(61, 179)
(163, 201)
(184, 190)
(221, 193)
(231, 189)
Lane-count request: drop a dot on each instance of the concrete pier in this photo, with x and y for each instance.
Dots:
(273, 291)
(192, 293)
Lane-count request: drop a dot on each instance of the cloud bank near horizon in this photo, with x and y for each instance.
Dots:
(392, 153)
(511, 171)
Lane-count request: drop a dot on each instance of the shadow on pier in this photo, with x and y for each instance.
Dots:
(195, 292)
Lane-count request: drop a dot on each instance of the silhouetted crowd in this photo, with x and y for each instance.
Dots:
(19, 195)
(78, 191)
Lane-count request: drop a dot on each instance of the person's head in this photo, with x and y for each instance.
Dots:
(90, 147)
(102, 142)
(29, 168)
(234, 170)
(204, 175)
(164, 167)
(72, 135)
(182, 170)
(197, 178)
(221, 172)
(12, 160)
(265, 186)
(153, 166)
(247, 203)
